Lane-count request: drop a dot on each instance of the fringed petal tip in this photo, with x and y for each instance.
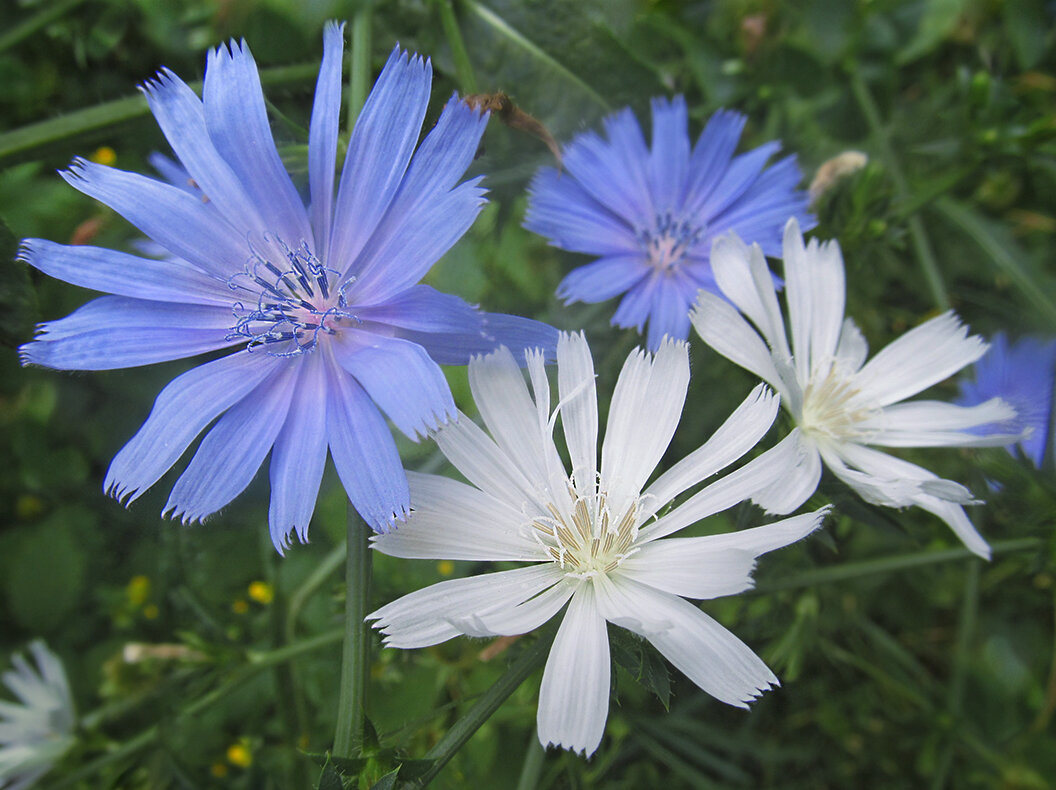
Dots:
(382, 525)
(283, 539)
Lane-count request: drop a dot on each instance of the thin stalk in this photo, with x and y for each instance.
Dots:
(318, 577)
(467, 81)
(899, 562)
(355, 657)
(533, 764)
(917, 234)
(489, 702)
(359, 73)
(258, 662)
(955, 695)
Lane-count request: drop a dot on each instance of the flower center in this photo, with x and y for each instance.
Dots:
(590, 541)
(832, 409)
(295, 304)
(668, 241)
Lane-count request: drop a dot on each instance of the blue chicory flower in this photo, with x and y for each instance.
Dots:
(1022, 374)
(651, 214)
(319, 302)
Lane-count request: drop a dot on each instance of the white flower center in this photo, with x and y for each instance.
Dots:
(591, 541)
(832, 408)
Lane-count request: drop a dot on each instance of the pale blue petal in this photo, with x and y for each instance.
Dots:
(424, 309)
(636, 305)
(669, 156)
(182, 410)
(183, 225)
(497, 329)
(400, 377)
(613, 171)
(603, 279)
(429, 213)
(378, 154)
(711, 155)
(121, 314)
(738, 178)
(299, 456)
(669, 314)
(365, 454)
(174, 173)
(322, 136)
(125, 275)
(560, 209)
(181, 117)
(231, 453)
(238, 126)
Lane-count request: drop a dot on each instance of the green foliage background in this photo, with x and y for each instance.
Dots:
(905, 663)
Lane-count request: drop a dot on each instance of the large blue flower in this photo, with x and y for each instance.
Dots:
(321, 303)
(652, 213)
(1023, 375)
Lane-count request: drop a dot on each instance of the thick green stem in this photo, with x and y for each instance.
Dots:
(355, 659)
(917, 234)
(359, 74)
(463, 68)
(489, 702)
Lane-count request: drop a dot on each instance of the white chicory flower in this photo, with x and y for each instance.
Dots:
(592, 536)
(841, 405)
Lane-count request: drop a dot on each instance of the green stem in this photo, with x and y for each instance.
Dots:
(918, 236)
(359, 73)
(900, 562)
(318, 577)
(467, 81)
(489, 702)
(257, 663)
(19, 144)
(39, 20)
(355, 658)
(533, 764)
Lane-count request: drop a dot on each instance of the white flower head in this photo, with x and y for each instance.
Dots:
(591, 534)
(38, 730)
(840, 403)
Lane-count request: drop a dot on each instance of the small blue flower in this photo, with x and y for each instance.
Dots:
(652, 214)
(1022, 374)
(320, 301)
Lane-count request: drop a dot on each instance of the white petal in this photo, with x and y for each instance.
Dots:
(958, 521)
(815, 292)
(450, 520)
(703, 650)
(429, 616)
(646, 407)
(520, 618)
(743, 276)
(938, 424)
(923, 356)
(746, 482)
(723, 328)
(852, 348)
(740, 433)
(789, 491)
(574, 695)
(579, 406)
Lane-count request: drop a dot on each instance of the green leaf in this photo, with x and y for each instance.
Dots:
(386, 782)
(937, 22)
(642, 662)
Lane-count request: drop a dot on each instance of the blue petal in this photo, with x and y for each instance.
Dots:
(322, 136)
(126, 275)
(299, 456)
(429, 213)
(183, 225)
(238, 125)
(230, 454)
(179, 113)
(739, 176)
(117, 332)
(182, 410)
(635, 306)
(424, 309)
(174, 173)
(563, 211)
(497, 329)
(378, 154)
(712, 154)
(669, 315)
(400, 377)
(669, 156)
(603, 279)
(365, 454)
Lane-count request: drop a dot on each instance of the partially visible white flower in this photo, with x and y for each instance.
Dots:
(841, 404)
(592, 535)
(37, 732)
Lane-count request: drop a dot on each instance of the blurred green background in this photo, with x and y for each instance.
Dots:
(905, 664)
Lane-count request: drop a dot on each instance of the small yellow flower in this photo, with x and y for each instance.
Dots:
(445, 567)
(240, 755)
(104, 155)
(240, 606)
(150, 611)
(138, 590)
(261, 592)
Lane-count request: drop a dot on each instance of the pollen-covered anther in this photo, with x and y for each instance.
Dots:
(588, 542)
(833, 408)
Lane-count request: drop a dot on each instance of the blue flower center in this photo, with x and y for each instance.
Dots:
(296, 303)
(668, 242)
